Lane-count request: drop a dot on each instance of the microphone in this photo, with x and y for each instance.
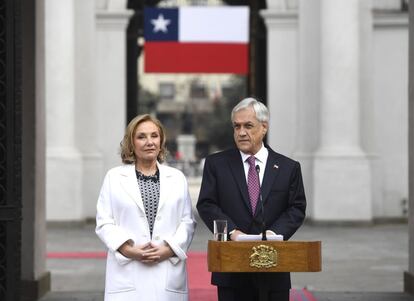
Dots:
(261, 205)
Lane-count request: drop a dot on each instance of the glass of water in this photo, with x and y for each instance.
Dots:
(220, 230)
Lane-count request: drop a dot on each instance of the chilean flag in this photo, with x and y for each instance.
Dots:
(194, 39)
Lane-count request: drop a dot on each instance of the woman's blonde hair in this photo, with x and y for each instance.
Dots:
(127, 144)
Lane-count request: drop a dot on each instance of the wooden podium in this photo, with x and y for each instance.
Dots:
(264, 256)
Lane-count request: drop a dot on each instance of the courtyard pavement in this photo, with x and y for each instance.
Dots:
(358, 262)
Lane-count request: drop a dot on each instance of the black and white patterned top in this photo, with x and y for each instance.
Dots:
(150, 193)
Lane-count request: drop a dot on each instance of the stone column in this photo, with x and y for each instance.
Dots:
(282, 34)
(111, 23)
(63, 159)
(87, 105)
(35, 279)
(409, 275)
(342, 180)
(308, 93)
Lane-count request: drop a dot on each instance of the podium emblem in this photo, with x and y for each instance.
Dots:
(263, 257)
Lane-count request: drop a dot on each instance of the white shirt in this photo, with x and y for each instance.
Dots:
(261, 159)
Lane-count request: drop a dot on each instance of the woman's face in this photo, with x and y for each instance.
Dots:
(146, 141)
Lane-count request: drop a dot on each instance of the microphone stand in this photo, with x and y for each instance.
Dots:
(263, 291)
(261, 205)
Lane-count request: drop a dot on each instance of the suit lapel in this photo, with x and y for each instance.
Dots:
(271, 172)
(130, 185)
(237, 169)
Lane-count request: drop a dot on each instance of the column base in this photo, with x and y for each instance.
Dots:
(409, 283)
(306, 162)
(92, 171)
(35, 289)
(64, 176)
(342, 189)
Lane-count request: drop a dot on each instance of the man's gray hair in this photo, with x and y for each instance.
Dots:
(262, 113)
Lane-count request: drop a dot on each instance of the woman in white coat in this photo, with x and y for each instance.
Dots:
(144, 217)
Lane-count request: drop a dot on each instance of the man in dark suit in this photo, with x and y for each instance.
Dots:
(226, 194)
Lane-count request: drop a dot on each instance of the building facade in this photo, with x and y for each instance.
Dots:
(338, 95)
(338, 105)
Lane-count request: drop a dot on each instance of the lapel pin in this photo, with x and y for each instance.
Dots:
(276, 166)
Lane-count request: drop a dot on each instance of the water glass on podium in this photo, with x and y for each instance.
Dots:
(220, 230)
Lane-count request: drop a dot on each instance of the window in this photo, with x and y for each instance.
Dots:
(167, 90)
(198, 90)
(199, 2)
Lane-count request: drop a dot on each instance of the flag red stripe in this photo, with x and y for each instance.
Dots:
(174, 57)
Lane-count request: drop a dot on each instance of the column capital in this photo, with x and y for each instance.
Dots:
(110, 4)
(277, 18)
(282, 5)
(113, 19)
(274, 17)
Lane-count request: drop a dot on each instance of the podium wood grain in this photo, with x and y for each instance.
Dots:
(292, 256)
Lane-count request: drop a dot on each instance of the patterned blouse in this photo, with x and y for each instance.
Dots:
(150, 192)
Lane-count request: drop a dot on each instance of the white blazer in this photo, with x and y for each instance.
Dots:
(121, 216)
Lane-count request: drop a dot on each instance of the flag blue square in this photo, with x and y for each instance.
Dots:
(160, 24)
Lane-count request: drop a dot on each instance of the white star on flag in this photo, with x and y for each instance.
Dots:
(160, 24)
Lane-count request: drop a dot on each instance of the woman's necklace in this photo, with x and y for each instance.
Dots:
(153, 177)
(151, 171)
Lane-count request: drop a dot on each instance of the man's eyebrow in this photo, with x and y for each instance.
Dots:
(234, 122)
(249, 121)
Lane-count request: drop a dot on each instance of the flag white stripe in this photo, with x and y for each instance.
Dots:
(214, 24)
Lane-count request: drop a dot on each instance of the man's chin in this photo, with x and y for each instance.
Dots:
(244, 149)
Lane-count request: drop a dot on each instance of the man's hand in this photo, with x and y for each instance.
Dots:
(270, 232)
(233, 236)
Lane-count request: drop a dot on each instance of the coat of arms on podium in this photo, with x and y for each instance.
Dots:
(263, 257)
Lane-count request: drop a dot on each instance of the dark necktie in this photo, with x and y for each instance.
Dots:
(253, 183)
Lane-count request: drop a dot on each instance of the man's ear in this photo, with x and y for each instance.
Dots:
(265, 128)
